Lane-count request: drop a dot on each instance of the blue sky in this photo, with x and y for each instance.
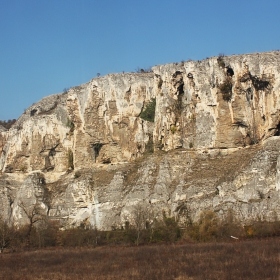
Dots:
(49, 45)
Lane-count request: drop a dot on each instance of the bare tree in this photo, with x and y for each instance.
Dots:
(34, 215)
(141, 218)
(7, 235)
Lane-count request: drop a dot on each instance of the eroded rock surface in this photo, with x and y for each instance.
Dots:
(86, 155)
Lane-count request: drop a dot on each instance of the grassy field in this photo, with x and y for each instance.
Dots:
(249, 259)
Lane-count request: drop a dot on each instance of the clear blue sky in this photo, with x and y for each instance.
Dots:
(49, 45)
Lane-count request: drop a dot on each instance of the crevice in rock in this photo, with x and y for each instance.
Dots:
(149, 147)
(52, 151)
(48, 165)
(190, 75)
(180, 89)
(178, 82)
(277, 131)
(128, 95)
(96, 149)
(50, 110)
(240, 124)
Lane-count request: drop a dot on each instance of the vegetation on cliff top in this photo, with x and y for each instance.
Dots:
(7, 124)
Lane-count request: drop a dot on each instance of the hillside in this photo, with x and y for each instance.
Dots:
(184, 138)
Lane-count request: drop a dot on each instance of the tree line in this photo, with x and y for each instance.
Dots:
(143, 228)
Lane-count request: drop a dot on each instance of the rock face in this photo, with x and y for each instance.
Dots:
(3, 138)
(86, 155)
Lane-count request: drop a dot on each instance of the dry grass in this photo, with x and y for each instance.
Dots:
(251, 259)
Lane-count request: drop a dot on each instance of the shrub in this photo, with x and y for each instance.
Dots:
(229, 226)
(211, 228)
(165, 230)
(23, 168)
(173, 129)
(141, 70)
(208, 226)
(160, 82)
(263, 229)
(220, 60)
(261, 194)
(78, 237)
(148, 113)
(71, 125)
(7, 234)
(65, 90)
(7, 124)
(226, 89)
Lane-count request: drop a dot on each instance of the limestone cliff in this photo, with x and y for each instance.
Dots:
(86, 155)
(3, 138)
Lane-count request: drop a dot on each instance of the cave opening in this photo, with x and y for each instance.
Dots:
(33, 112)
(96, 149)
(52, 152)
(230, 71)
(181, 89)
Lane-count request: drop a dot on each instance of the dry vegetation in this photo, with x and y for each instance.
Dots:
(202, 250)
(251, 259)
(7, 124)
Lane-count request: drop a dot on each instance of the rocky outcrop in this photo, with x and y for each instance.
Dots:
(88, 152)
(3, 138)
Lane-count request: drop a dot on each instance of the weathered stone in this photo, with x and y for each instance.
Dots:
(215, 137)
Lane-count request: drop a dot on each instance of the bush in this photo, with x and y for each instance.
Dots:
(7, 124)
(263, 229)
(141, 70)
(71, 125)
(165, 230)
(211, 228)
(173, 129)
(148, 113)
(7, 235)
(208, 226)
(220, 60)
(78, 237)
(226, 89)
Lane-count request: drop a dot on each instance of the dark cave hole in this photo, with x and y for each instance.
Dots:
(176, 74)
(52, 152)
(32, 112)
(190, 75)
(181, 89)
(96, 148)
(230, 72)
(277, 132)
